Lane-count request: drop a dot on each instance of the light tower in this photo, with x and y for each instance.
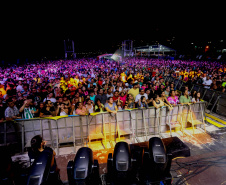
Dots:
(69, 47)
(127, 48)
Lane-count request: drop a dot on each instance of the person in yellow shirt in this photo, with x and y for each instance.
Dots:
(71, 82)
(63, 84)
(2, 89)
(181, 73)
(185, 75)
(134, 91)
(123, 77)
(192, 74)
(76, 80)
(130, 76)
(199, 73)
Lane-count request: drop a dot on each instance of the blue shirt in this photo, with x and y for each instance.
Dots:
(92, 98)
(110, 108)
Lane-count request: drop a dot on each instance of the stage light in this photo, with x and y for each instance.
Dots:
(120, 166)
(117, 56)
(83, 170)
(156, 163)
(40, 169)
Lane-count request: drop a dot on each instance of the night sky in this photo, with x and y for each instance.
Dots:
(38, 31)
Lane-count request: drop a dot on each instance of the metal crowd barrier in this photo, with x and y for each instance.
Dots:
(81, 130)
(216, 101)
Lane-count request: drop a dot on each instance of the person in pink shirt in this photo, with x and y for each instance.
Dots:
(81, 110)
(123, 98)
(144, 86)
(173, 99)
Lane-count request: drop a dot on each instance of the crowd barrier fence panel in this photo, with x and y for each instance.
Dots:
(10, 133)
(202, 91)
(213, 102)
(96, 127)
(221, 105)
(180, 84)
(32, 127)
(138, 117)
(124, 122)
(135, 123)
(208, 95)
(171, 79)
(195, 88)
(77, 129)
(175, 116)
(110, 125)
(176, 83)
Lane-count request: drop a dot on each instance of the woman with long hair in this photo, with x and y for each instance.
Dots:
(196, 98)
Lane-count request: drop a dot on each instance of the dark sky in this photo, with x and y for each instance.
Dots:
(38, 31)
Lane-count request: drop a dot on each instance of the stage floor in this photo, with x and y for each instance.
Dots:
(206, 165)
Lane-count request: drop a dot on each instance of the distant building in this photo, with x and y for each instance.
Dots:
(154, 50)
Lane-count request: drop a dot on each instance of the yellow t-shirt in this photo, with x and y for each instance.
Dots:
(134, 92)
(192, 74)
(198, 74)
(185, 74)
(130, 76)
(123, 77)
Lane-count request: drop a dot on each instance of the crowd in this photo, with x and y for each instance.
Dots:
(84, 86)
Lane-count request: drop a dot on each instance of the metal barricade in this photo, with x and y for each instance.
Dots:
(10, 133)
(179, 85)
(33, 127)
(202, 91)
(136, 124)
(176, 82)
(221, 105)
(208, 95)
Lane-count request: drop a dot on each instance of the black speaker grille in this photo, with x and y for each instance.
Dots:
(80, 173)
(34, 180)
(122, 166)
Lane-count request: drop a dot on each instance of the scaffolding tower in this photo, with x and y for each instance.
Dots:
(69, 49)
(127, 48)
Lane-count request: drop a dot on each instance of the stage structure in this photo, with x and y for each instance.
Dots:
(127, 48)
(154, 50)
(69, 49)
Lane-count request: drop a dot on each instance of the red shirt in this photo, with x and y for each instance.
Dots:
(100, 82)
(115, 98)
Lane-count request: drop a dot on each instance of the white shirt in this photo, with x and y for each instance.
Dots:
(90, 110)
(207, 82)
(53, 100)
(19, 88)
(139, 96)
